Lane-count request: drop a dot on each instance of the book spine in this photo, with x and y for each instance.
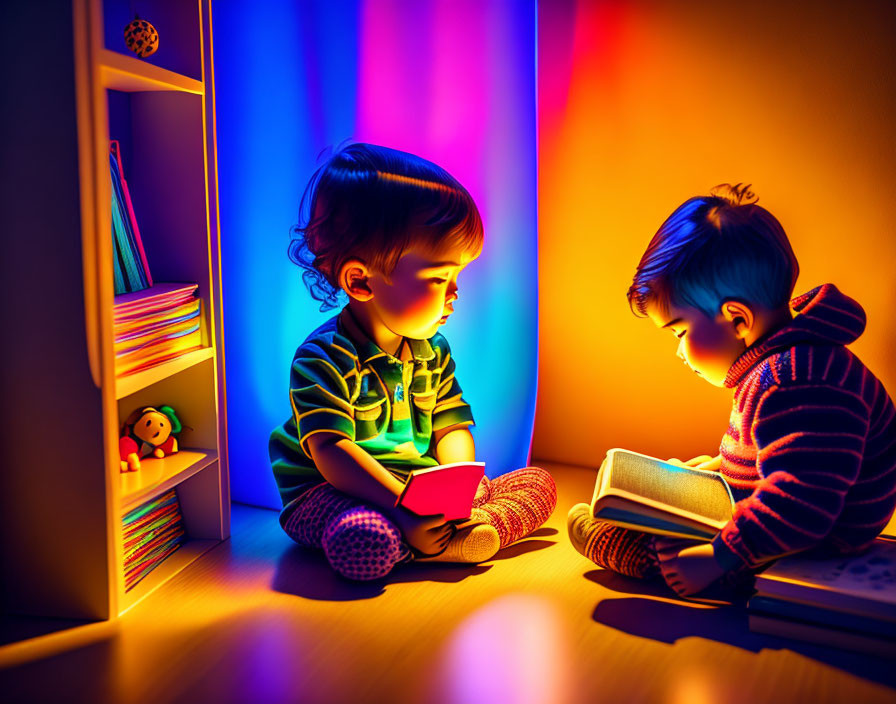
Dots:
(824, 598)
(130, 213)
(136, 280)
(822, 616)
(820, 635)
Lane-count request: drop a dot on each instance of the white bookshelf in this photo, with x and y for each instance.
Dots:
(62, 495)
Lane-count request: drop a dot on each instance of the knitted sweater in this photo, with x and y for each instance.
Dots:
(810, 452)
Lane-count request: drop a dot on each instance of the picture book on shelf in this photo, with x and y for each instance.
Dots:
(648, 494)
(130, 266)
(156, 325)
(447, 489)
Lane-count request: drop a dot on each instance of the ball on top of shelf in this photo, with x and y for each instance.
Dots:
(147, 431)
(141, 37)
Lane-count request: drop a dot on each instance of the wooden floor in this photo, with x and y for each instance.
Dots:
(260, 620)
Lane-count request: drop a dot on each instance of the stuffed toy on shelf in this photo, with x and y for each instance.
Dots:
(148, 432)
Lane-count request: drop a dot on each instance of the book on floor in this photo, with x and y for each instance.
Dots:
(447, 489)
(648, 494)
(863, 585)
(822, 635)
(846, 601)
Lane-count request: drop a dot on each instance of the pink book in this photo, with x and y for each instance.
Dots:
(447, 489)
(133, 218)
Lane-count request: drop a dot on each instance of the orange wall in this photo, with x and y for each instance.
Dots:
(644, 104)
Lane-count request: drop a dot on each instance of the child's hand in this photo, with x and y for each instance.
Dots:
(427, 534)
(696, 569)
(701, 462)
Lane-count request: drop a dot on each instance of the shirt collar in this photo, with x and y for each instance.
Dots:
(368, 350)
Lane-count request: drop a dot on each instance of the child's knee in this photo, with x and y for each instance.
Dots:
(362, 544)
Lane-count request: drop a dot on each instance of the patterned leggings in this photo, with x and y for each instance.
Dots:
(361, 543)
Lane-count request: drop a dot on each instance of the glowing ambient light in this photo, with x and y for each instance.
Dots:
(451, 81)
(513, 649)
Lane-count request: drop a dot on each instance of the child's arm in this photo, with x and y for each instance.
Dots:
(454, 445)
(350, 469)
(809, 438)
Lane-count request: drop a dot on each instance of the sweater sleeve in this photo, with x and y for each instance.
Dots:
(809, 440)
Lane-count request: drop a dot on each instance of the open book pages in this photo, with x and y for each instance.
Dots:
(863, 584)
(648, 494)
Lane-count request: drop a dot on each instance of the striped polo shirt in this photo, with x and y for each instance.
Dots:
(810, 451)
(342, 383)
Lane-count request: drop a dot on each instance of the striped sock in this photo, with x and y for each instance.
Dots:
(516, 503)
(622, 550)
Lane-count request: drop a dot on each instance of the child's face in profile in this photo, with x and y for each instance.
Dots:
(709, 346)
(417, 297)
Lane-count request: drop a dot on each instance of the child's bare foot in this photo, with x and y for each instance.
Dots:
(473, 543)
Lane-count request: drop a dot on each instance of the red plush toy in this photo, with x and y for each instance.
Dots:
(147, 431)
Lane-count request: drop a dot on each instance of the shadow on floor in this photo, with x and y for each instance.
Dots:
(522, 547)
(652, 610)
(306, 573)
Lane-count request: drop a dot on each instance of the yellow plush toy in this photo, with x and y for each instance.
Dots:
(148, 431)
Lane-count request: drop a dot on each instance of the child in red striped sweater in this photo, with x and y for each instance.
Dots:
(810, 450)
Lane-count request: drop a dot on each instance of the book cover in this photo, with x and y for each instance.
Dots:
(864, 584)
(131, 268)
(648, 494)
(132, 219)
(447, 489)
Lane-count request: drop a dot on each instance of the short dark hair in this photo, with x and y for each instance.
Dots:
(373, 203)
(713, 248)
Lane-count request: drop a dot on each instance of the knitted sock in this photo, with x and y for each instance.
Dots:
(471, 544)
(516, 503)
(359, 542)
(622, 550)
(306, 517)
(363, 544)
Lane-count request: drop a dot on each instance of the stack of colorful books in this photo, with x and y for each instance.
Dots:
(845, 602)
(130, 265)
(151, 533)
(155, 325)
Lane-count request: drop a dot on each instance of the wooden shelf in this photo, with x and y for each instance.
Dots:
(156, 476)
(129, 74)
(169, 567)
(132, 383)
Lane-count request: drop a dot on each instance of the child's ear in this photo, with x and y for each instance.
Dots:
(354, 280)
(741, 317)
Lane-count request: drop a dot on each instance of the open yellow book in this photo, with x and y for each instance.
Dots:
(647, 494)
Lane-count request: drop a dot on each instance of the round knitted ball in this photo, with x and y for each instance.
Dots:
(141, 38)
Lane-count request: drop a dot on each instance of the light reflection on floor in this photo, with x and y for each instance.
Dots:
(513, 649)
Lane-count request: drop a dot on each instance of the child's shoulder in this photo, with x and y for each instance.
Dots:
(329, 342)
(804, 363)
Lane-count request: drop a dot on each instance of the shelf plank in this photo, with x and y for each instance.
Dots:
(132, 383)
(156, 476)
(169, 567)
(131, 75)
